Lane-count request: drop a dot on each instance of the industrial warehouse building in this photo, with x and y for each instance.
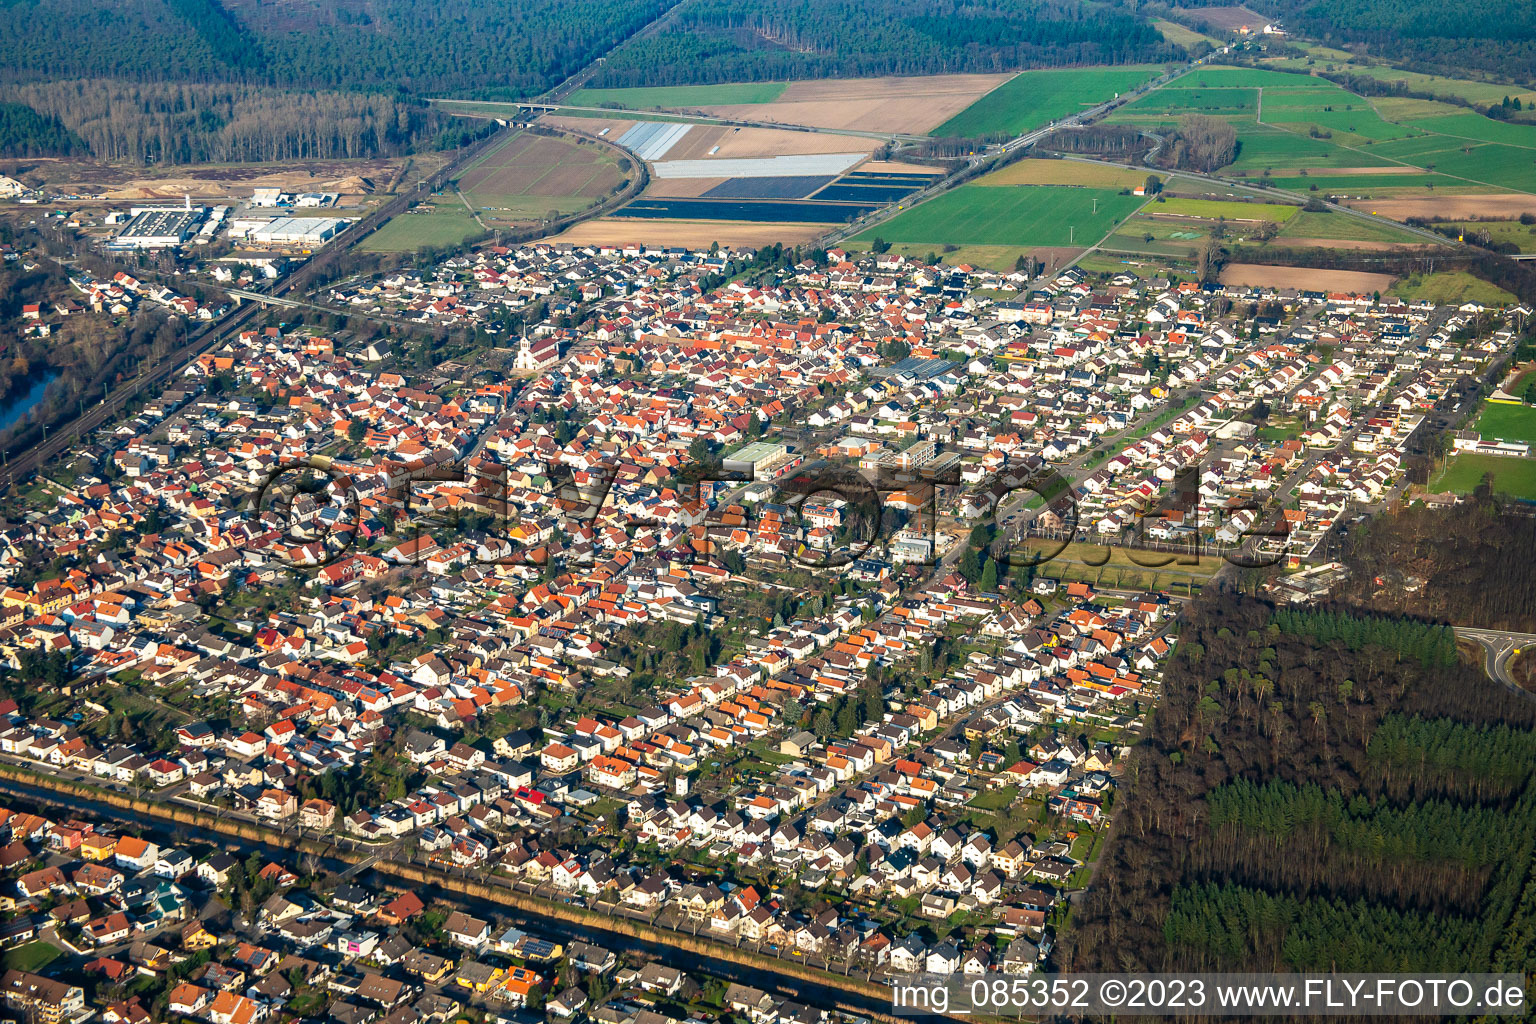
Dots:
(288, 230)
(159, 228)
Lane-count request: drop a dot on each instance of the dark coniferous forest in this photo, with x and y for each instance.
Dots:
(1497, 37)
(178, 81)
(1324, 789)
(746, 40)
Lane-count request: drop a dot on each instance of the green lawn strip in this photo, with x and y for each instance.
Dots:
(1504, 422)
(1513, 477)
(411, 231)
(32, 956)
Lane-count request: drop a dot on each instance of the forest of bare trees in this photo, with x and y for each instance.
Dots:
(1201, 143)
(182, 123)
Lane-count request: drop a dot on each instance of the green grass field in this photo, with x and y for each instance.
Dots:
(1510, 232)
(1503, 422)
(32, 956)
(1287, 121)
(1378, 185)
(1034, 98)
(1022, 215)
(1515, 478)
(679, 96)
(1210, 209)
(1343, 227)
(1451, 286)
(1321, 57)
(447, 224)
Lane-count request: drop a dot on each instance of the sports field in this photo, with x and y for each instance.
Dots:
(443, 223)
(1020, 215)
(1502, 422)
(676, 97)
(1513, 477)
(1031, 99)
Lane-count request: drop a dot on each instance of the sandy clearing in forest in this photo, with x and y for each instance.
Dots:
(1310, 278)
(1230, 19)
(698, 233)
(869, 104)
(1511, 204)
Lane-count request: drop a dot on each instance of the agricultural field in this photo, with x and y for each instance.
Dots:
(1340, 227)
(1288, 122)
(693, 233)
(441, 223)
(1034, 98)
(679, 97)
(533, 176)
(1504, 422)
(867, 104)
(1181, 36)
(1067, 172)
(1378, 184)
(1459, 207)
(1171, 102)
(1261, 275)
(789, 199)
(759, 210)
(1019, 215)
(1499, 232)
(1513, 477)
(1322, 58)
(1210, 209)
(1451, 287)
(1147, 235)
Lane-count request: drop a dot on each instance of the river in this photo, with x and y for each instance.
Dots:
(16, 408)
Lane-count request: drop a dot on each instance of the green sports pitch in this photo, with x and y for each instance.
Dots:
(1505, 422)
(1022, 215)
